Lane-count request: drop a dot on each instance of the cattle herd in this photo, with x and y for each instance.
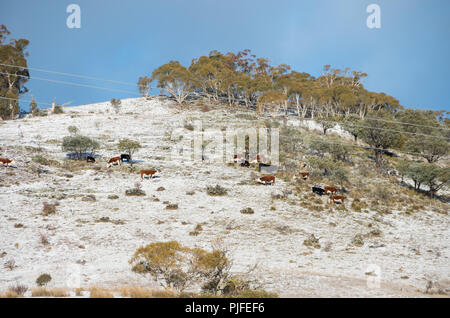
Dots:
(245, 161)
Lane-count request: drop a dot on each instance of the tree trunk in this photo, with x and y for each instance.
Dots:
(53, 105)
(378, 158)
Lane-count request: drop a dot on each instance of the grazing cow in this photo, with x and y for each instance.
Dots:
(245, 164)
(125, 157)
(113, 160)
(318, 190)
(6, 162)
(240, 157)
(90, 159)
(392, 172)
(147, 173)
(304, 175)
(267, 180)
(337, 199)
(257, 159)
(331, 190)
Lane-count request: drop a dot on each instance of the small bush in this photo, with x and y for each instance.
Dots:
(43, 239)
(312, 241)
(134, 192)
(43, 279)
(89, 198)
(10, 264)
(216, 191)
(58, 110)
(19, 289)
(247, 211)
(40, 160)
(172, 206)
(48, 208)
(73, 130)
(358, 240)
(116, 104)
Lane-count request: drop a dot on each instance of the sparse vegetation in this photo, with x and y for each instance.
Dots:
(19, 289)
(48, 208)
(43, 280)
(49, 292)
(79, 145)
(247, 211)
(216, 191)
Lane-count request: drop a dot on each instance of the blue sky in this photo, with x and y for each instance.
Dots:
(122, 40)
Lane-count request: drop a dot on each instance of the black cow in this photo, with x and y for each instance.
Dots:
(90, 159)
(318, 190)
(245, 164)
(125, 157)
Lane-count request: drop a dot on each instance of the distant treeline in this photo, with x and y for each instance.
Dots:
(246, 80)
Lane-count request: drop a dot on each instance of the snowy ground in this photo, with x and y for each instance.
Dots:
(409, 253)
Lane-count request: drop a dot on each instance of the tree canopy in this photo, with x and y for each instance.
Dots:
(13, 73)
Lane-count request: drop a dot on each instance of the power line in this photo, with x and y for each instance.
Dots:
(75, 84)
(72, 75)
(24, 100)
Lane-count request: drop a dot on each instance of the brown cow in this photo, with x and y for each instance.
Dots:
(113, 160)
(267, 179)
(239, 157)
(6, 162)
(331, 190)
(305, 175)
(337, 198)
(148, 173)
(257, 159)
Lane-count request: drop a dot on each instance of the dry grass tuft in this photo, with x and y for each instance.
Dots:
(97, 292)
(135, 292)
(10, 294)
(49, 292)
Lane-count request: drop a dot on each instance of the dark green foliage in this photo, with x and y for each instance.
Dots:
(79, 145)
(381, 132)
(12, 84)
(216, 191)
(43, 279)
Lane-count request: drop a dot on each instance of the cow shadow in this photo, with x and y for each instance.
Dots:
(153, 177)
(83, 156)
(133, 161)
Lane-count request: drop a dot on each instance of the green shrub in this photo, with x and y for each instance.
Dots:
(43, 279)
(134, 192)
(40, 160)
(247, 211)
(216, 191)
(79, 145)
